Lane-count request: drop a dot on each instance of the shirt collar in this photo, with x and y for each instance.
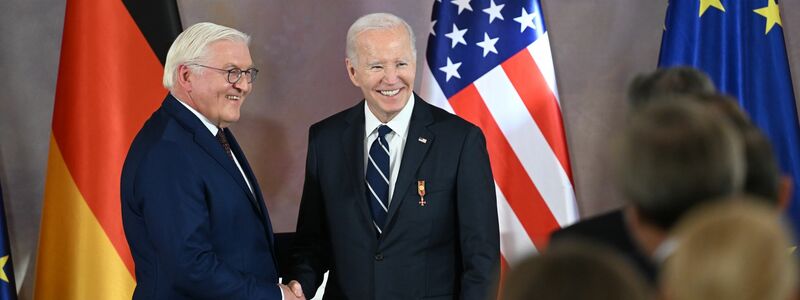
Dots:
(211, 127)
(398, 124)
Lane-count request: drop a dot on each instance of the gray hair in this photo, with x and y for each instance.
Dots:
(675, 155)
(664, 82)
(376, 21)
(191, 46)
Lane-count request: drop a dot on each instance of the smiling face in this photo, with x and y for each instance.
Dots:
(384, 69)
(209, 91)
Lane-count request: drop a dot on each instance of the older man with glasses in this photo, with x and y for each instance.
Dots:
(192, 209)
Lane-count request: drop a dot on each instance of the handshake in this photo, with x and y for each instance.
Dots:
(292, 291)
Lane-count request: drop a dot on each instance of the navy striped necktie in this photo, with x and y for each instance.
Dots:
(378, 178)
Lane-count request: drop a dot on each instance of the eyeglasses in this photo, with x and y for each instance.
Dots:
(235, 74)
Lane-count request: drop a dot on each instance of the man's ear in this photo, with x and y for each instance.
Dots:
(351, 71)
(184, 77)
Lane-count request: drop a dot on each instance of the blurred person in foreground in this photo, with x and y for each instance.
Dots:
(762, 177)
(732, 250)
(674, 156)
(575, 271)
(192, 210)
(399, 200)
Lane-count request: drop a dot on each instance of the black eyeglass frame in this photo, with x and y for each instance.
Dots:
(234, 74)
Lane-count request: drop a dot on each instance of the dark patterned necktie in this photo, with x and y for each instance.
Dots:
(224, 141)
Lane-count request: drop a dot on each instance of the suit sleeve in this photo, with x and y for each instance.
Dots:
(477, 220)
(311, 249)
(177, 213)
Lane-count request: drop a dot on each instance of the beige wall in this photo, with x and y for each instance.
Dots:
(597, 46)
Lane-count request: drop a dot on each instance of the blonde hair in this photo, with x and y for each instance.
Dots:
(733, 250)
(191, 45)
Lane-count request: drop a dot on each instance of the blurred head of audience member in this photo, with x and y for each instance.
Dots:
(668, 82)
(733, 250)
(574, 271)
(672, 156)
(763, 177)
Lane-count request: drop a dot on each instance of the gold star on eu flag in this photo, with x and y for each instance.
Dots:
(772, 14)
(705, 4)
(3, 261)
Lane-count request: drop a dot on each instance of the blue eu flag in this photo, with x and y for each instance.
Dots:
(739, 43)
(8, 288)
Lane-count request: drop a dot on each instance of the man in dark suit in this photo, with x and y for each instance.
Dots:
(192, 209)
(399, 200)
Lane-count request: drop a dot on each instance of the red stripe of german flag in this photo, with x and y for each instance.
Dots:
(109, 81)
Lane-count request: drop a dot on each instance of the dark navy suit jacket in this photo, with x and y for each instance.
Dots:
(611, 230)
(447, 249)
(194, 228)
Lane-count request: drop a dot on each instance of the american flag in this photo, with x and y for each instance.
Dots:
(490, 63)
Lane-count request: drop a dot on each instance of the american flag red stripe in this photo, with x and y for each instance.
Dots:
(509, 91)
(519, 191)
(540, 101)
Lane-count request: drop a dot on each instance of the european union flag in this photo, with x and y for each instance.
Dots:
(8, 289)
(739, 43)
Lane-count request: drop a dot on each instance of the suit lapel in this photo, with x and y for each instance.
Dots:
(257, 199)
(413, 154)
(209, 143)
(353, 145)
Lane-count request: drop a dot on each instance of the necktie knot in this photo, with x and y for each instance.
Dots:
(383, 130)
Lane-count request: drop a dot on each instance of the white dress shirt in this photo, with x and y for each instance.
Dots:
(396, 139)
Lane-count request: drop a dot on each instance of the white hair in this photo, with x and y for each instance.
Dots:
(191, 46)
(376, 21)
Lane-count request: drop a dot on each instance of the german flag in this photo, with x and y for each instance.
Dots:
(109, 81)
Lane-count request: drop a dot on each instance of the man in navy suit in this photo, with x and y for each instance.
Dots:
(192, 209)
(399, 200)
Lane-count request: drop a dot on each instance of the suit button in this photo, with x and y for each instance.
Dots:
(378, 257)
